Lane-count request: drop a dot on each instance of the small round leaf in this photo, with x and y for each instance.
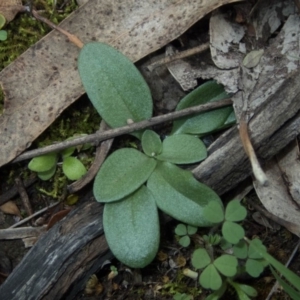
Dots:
(191, 230)
(235, 212)
(210, 278)
(249, 290)
(200, 258)
(73, 168)
(232, 232)
(151, 143)
(226, 264)
(3, 35)
(184, 241)
(43, 163)
(181, 229)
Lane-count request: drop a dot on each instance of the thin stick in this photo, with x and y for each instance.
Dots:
(101, 153)
(256, 168)
(73, 38)
(23, 195)
(6, 196)
(34, 215)
(108, 134)
(178, 55)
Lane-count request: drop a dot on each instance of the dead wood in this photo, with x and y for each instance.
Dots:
(274, 124)
(62, 260)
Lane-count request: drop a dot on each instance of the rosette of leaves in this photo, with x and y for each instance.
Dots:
(3, 33)
(184, 232)
(46, 165)
(133, 184)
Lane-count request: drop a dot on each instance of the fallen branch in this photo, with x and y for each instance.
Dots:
(112, 133)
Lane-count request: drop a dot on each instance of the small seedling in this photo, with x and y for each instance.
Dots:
(46, 165)
(184, 232)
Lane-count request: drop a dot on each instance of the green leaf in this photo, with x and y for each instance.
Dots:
(242, 295)
(240, 250)
(214, 212)
(249, 290)
(151, 143)
(181, 229)
(235, 212)
(43, 163)
(2, 21)
(232, 232)
(288, 274)
(47, 174)
(73, 168)
(182, 149)
(205, 122)
(226, 264)
(255, 251)
(184, 241)
(191, 230)
(295, 295)
(3, 35)
(200, 258)
(114, 85)
(254, 267)
(210, 278)
(123, 172)
(219, 293)
(180, 195)
(132, 228)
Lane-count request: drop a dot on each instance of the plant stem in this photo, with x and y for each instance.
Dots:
(108, 134)
(73, 38)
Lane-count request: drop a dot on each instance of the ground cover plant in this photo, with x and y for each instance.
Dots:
(133, 185)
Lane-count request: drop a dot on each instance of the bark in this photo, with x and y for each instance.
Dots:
(60, 263)
(274, 124)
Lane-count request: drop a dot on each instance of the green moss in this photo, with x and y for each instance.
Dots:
(24, 30)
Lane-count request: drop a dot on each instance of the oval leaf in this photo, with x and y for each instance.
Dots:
(235, 212)
(2, 21)
(210, 278)
(132, 228)
(43, 163)
(226, 264)
(47, 174)
(191, 230)
(3, 35)
(112, 81)
(182, 149)
(232, 232)
(208, 121)
(180, 195)
(122, 173)
(73, 168)
(151, 143)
